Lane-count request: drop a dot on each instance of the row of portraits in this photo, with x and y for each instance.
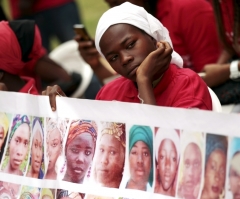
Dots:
(173, 162)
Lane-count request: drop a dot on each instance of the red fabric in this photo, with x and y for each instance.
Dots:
(29, 87)
(40, 5)
(178, 88)
(192, 29)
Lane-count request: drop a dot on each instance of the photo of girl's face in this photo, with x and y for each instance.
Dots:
(37, 151)
(215, 174)
(18, 146)
(79, 154)
(54, 147)
(1, 136)
(140, 162)
(167, 163)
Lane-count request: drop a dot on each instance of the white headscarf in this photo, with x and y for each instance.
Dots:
(136, 16)
(170, 134)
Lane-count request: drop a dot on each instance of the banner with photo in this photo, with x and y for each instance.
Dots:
(114, 150)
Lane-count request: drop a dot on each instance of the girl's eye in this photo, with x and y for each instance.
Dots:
(130, 45)
(145, 154)
(112, 152)
(113, 58)
(87, 153)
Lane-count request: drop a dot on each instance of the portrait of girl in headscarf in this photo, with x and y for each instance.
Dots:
(79, 149)
(47, 193)
(215, 167)
(140, 158)
(4, 125)
(28, 192)
(56, 128)
(167, 152)
(65, 194)
(35, 169)
(18, 146)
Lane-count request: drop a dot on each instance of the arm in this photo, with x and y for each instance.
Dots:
(90, 55)
(152, 68)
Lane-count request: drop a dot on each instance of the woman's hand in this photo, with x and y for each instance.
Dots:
(156, 63)
(3, 87)
(52, 92)
(88, 52)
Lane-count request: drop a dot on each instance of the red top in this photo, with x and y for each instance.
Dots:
(29, 87)
(177, 88)
(192, 28)
(40, 5)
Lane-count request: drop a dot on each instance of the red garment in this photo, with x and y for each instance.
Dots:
(29, 87)
(192, 29)
(40, 5)
(228, 20)
(177, 88)
(11, 55)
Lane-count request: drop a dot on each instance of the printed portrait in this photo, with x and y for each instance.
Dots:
(28, 192)
(36, 163)
(4, 125)
(47, 193)
(215, 167)
(191, 165)
(233, 186)
(167, 156)
(9, 190)
(55, 131)
(79, 150)
(65, 194)
(140, 158)
(16, 156)
(110, 155)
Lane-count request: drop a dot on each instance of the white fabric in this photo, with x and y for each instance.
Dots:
(170, 134)
(136, 16)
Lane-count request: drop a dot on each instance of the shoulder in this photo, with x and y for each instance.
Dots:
(113, 89)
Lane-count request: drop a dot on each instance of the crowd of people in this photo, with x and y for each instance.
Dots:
(167, 53)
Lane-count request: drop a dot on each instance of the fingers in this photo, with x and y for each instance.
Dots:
(3, 87)
(52, 92)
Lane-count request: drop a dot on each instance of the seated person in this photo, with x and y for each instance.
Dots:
(149, 68)
(24, 62)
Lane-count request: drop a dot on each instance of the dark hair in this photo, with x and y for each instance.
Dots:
(220, 25)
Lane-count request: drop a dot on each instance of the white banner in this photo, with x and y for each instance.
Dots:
(97, 149)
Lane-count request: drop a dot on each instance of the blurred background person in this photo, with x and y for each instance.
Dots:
(47, 194)
(29, 192)
(36, 155)
(110, 155)
(50, 16)
(79, 149)
(167, 152)
(25, 66)
(55, 132)
(65, 194)
(223, 76)
(191, 165)
(215, 167)
(233, 190)
(4, 125)
(18, 143)
(140, 158)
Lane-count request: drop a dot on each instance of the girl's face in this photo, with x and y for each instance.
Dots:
(37, 151)
(140, 162)
(79, 154)
(1, 136)
(18, 147)
(54, 147)
(125, 47)
(167, 163)
(215, 174)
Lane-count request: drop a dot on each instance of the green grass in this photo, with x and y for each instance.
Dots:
(90, 11)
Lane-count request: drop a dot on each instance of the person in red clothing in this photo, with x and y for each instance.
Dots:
(223, 76)
(50, 16)
(24, 61)
(149, 68)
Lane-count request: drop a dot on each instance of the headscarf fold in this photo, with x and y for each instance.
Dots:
(17, 121)
(117, 130)
(78, 127)
(4, 122)
(137, 16)
(170, 134)
(144, 134)
(10, 51)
